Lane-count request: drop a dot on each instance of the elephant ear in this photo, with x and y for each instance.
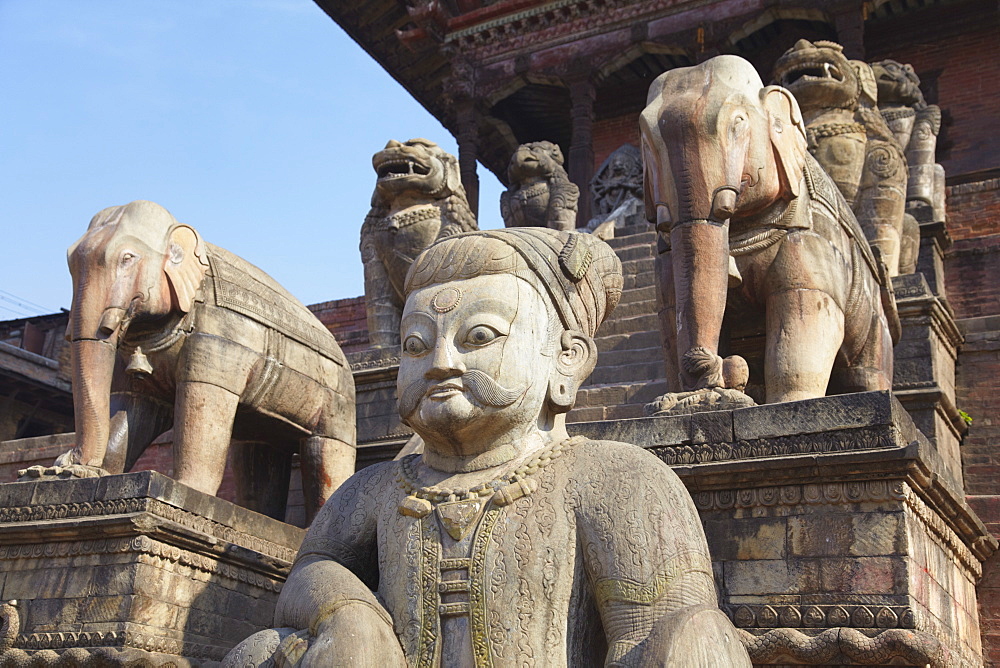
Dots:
(788, 135)
(185, 265)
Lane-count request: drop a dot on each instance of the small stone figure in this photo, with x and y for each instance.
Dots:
(540, 193)
(746, 216)
(849, 138)
(418, 199)
(506, 542)
(617, 192)
(169, 330)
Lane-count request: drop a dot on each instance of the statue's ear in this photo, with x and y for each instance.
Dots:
(453, 177)
(866, 82)
(787, 133)
(575, 360)
(185, 264)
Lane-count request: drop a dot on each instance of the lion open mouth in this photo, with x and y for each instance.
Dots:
(394, 168)
(810, 72)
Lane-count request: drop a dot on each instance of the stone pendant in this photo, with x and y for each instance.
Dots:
(458, 516)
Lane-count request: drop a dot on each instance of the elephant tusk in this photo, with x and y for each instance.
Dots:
(724, 203)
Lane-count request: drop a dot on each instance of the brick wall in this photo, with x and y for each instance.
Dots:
(955, 50)
(346, 319)
(610, 133)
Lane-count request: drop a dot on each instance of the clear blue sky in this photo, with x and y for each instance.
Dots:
(254, 121)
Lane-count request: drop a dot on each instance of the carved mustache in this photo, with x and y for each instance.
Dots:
(483, 388)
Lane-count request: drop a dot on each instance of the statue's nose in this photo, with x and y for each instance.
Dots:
(446, 362)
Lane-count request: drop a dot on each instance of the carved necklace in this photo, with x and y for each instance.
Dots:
(458, 508)
(898, 113)
(400, 220)
(834, 129)
(532, 191)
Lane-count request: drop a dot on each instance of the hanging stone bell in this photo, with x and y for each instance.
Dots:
(138, 365)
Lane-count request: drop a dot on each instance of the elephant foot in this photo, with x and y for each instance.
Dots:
(699, 401)
(60, 472)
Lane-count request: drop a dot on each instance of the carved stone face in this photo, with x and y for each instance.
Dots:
(819, 75)
(475, 362)
(417, 166)
(534, 160)
(897, 83)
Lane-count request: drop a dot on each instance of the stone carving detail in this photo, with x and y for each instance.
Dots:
(169, 330)
(843, 645)
(616, 190)
(841, 441)
(794, 495)
(129, 506)
(540, 193)
(825, 320)
(820, 616)
(490, 541)
(418, 199)
(850, 139)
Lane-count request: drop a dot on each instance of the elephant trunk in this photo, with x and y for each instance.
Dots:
(700, 258)
(93, 367)
(94, 336)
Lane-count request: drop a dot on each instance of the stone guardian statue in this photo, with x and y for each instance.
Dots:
(418, 199)
(506, 541)
(848, 136)
(540, 193)
(616, 190)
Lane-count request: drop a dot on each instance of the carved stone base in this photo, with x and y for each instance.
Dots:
(829, 521)
(133, 569)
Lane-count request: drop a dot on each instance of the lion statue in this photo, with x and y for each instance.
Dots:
(540, 194)
(418, 199)
(916, 125)
(850, 139)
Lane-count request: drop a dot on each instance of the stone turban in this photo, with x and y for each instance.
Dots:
(581, 275)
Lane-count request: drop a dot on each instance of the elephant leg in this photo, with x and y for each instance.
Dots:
(668, 318)
(805, 329)
(203, 423)
(871, 368)
(135, 421)
(262, 472)
(326, 463)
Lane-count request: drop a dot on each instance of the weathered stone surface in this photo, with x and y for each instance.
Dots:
(851, 520)
(504, 522)
(540, 194)
(769, 255)
(176, 331)
(136, 567)
(418, 199)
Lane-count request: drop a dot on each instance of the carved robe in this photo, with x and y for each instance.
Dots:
(578, 572)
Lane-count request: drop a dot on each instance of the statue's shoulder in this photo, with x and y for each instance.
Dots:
(614, 458)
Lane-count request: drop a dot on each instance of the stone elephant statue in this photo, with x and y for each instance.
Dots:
(167, 329)
(748, 220)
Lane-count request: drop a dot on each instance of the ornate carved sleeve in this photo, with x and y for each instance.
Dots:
(644, 547)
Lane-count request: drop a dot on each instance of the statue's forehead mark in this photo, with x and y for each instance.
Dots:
(446, 299)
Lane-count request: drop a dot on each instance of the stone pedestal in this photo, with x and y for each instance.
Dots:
(380, 432)
(836, 532)
(924, 371)
(133, 569)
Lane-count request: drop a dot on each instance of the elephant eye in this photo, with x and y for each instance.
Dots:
(127, 258)
(480, 335)
(414, 345)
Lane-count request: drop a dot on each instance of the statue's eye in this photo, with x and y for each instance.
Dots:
(480, 335)
(127, 258)
(414, 345)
